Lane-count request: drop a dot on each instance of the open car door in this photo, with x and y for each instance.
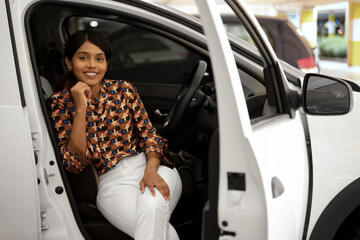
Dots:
(263, 165)
(19, 201)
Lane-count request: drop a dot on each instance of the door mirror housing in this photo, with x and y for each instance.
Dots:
(324, 95)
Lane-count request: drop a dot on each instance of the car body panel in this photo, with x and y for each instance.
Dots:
(18, 178)
(335, 149)
(269, 154)
(54, 208)
(284, 165)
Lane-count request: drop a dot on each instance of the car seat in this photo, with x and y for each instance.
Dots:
(48, 54)
(46, 87)
(85, 197)
(268, 110)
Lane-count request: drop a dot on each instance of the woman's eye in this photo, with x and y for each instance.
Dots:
(100, 59)
(82, 58)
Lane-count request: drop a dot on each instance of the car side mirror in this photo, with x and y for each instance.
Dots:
(324, 95)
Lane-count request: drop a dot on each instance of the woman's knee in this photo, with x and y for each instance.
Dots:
(149, 204)
(171, 177)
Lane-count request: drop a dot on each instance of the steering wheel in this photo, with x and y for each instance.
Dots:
(185, 95)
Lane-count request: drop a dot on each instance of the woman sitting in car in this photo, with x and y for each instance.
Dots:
(104, 122)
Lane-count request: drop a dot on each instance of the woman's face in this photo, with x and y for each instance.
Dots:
(88, 64)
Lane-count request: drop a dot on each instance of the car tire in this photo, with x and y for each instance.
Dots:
(350, 228)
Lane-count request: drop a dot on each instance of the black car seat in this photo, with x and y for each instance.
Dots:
(46, 87)
(48, 53)
(85, 197)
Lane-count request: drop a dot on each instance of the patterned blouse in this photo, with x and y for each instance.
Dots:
(117, 126)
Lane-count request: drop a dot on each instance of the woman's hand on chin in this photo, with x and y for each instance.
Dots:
(81, 94)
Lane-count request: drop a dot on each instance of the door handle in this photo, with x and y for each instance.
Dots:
(277, 187)
(158, 113)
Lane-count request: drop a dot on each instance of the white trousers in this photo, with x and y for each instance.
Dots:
(141, 216)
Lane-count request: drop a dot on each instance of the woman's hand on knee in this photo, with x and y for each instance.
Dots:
(152, 179)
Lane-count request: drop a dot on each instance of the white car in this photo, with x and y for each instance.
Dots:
(264, 151)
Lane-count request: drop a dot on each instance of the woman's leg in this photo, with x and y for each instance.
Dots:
(118, 192)
(153, 213)
(141, 216)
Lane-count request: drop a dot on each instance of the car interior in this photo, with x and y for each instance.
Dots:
(174, 78)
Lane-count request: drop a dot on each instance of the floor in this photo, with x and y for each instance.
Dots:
(339, 68)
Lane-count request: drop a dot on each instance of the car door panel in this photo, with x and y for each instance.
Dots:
(18, 181)
(278, 149)
(157, 96)
(255, 154)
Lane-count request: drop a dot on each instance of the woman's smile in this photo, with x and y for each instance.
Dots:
(91, 74)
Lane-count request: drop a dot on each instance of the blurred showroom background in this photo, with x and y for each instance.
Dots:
(331, 27)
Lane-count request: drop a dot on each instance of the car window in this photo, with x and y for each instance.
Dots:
(238, 30)
(234, 26)
(140, 55)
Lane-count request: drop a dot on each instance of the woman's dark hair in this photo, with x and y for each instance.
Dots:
(78, 38)
(75, 41)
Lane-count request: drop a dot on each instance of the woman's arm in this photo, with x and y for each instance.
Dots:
(77, 141)
(150, 140)
(70, 132)
(153, 144)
